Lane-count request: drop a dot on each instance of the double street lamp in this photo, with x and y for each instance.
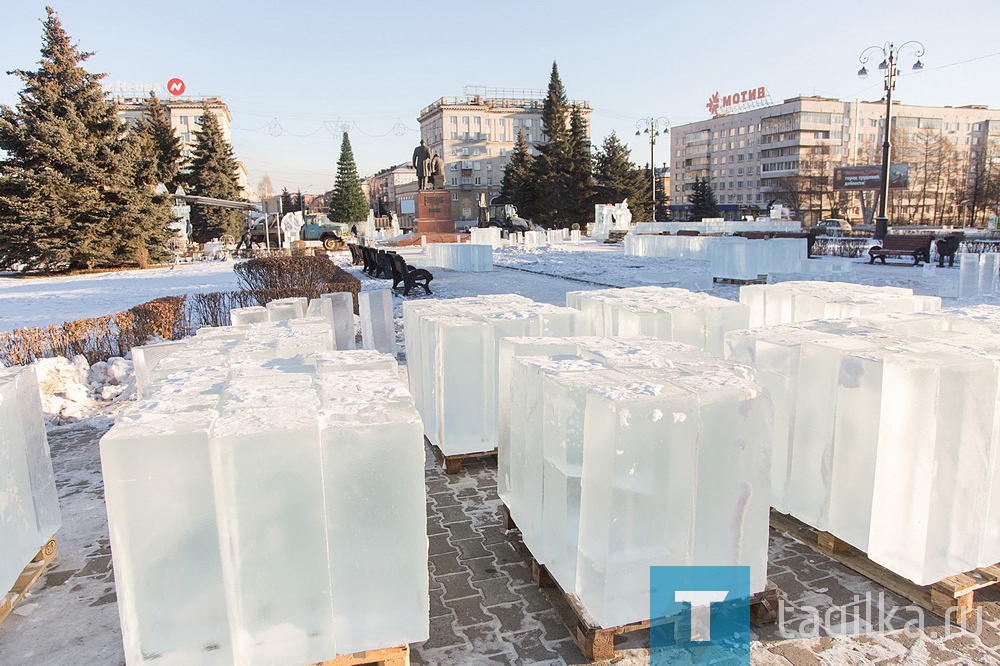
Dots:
(890, 60)
(654, 127)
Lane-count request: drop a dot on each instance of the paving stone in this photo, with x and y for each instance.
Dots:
(470, 549)
(446, 564)
(496, 591)
(457, 586)
(469, 611)
(464, 530)
(439, 544)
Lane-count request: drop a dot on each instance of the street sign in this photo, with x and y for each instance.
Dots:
(175, 86)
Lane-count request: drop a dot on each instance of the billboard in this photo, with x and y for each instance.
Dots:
(870, 176)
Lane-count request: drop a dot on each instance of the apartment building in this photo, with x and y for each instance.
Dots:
(787, 153)
(475, 137)
(184, 115)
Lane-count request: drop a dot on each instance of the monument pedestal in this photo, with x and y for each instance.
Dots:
(434, 212)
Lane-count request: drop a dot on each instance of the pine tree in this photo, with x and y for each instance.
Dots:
(73, 191)
(617, 179)
(552, 197)
(348, 203)
(702, 200)
(518, 179)
(581, 181)
(287, 202)
(213, 174)
(166, 146)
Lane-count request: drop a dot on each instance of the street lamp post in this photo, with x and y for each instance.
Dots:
(653, 127)
(890, 60)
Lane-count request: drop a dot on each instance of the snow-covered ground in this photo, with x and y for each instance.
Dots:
(26, 302)
(64, 623)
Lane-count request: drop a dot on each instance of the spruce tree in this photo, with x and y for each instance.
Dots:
(165, 145)
(73, 193)
(348, 203)
(581, 181)
(552, 167)
(702, 200)
(213, 174)
(287, 204)
(517, 187)
(617, 179)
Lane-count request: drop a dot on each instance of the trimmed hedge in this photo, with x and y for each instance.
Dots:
(174, 317)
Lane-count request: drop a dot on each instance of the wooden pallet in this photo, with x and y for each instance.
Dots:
(397, 656)
(453, 464)
(31, 573)
(951, 598)
(596, 642)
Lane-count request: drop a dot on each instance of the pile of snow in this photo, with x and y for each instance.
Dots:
(72, 390)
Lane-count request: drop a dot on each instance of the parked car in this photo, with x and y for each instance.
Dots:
(834, 227)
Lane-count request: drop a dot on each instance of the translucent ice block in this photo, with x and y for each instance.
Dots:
(282, 309)
(926, 519)
(377, 331)
(375, 499)
(165, 540)
(343, 318)
(254, 314)
(267, 472)
(145, 358)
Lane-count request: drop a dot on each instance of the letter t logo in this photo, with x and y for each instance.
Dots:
(701, 616)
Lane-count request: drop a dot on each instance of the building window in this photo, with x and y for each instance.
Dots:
(478, 180)
(502, 122)
(517, 122)
(185, 137)
(465, 152)
(475, 151)
(503, 152)
(454, 151)
(489, 180)
(465, 120)
(527, 122)
(503, 137)
(184, 120)
(477, 166)
(454, 166)
(527, 137)
(489, 166)
(487, 122)
(454, 195)
(476, 121)
(452, 120)
(454, 135)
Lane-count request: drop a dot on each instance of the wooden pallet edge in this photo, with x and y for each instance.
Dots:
(394, 656)
(597, 643)
(453, 463)
(951, 598)
(31, 573)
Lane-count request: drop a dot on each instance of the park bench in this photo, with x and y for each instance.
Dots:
(688, 232)
(356, 257)
(408, 276)
(382, 263)
(615, 236)
(917, 246)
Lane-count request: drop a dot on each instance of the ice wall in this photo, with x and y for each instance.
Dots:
(29, 503)
(793, 302)
(618, 454)
(266, 503)
(886, 434)
(452, 361)
(662, 312)
(464, 257)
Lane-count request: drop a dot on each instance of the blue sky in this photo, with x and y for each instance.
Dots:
(316, 66)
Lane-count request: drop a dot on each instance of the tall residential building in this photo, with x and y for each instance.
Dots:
(475, 137)
(184, 116)
(787, 153)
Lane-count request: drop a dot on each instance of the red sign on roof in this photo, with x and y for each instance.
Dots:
(175, 86)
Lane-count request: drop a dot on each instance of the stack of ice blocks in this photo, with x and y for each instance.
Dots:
(266, 503)
(463, 257)
(556, 236)
(669, 247)
(452, 350)
(738, 258)
(886, 435)
(792, 302)
(662, 312)
(620, 454)
(29, 503)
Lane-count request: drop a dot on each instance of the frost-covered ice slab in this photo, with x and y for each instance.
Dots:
(377, 328)
(886, 434)
(667, 313)
(283, 309)
(254, 314)
(669, 247)
(794, 302)
(463, 257)
(453, 360)
(247, 504)
(338, 307)
(599, 435)
(29, 505)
